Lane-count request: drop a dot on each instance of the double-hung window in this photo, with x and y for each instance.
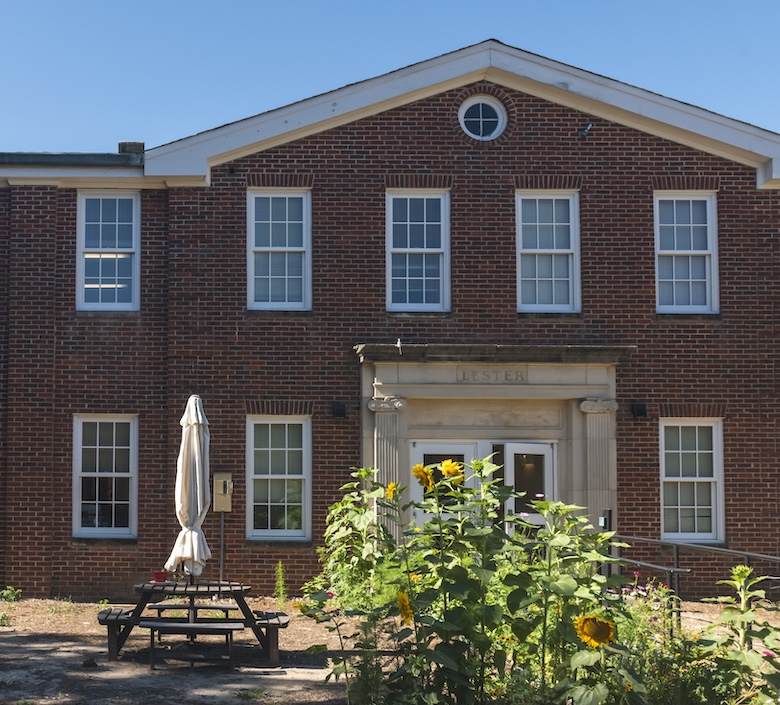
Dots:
(107, 269)
(418, 251)
(692, 479)
(548, 266)
(686, 253)
(279, 250)
(105, 476)
(278, 477)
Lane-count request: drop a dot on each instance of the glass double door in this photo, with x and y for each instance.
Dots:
(528, 467)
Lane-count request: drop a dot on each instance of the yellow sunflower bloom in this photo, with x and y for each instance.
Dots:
(404, 607)
(452, 471)
(424, 475)
(594, 631)
(390, 490)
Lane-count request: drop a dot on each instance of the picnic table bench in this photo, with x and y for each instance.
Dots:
(154, 596)
(191, 629)
(269, 623)
(114, 618)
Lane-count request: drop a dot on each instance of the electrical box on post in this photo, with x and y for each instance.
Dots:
(223, 492)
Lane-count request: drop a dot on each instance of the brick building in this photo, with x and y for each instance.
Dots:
(485, 252)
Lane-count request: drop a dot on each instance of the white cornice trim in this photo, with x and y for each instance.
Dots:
(78, 177)
(192, 157)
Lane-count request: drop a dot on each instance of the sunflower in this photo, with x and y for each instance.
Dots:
(424, 475)
(404, 607)
(594, 631)
(390, 490)
(452, 471)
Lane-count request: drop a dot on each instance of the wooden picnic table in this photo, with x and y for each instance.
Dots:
(265, 625)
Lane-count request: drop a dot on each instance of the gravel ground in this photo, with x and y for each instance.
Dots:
(53, 652)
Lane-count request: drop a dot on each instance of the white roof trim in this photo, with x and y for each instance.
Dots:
(75, 176)
(192, 157)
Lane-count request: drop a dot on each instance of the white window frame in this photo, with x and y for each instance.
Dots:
(79, 531)
(304, 249)
(571, 253)
(717, 501)
(709, 254)
(84, 252)
(305, 532)
(442, 252)
(495, 104)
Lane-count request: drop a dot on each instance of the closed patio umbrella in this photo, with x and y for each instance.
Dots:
(192, 494)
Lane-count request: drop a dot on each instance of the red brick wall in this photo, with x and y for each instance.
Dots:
(5, 230)
(195, 335)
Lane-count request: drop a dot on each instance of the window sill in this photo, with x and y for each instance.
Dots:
(572, 315)
(419, 314)
(710, 543)
(278, 312)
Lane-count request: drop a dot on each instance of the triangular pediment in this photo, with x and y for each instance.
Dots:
(189, 160)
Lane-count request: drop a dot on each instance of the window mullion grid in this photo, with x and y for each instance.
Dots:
(551, 301)
(296, 287)
(677, 291)
(120, 517)
(279, 495)
(425, 251)
(699, 506)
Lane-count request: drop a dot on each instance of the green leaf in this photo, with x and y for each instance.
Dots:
(446, 655)
(457, 583)
(317, 649)
(518, 599)
(499, 660)
(491, 615)
(522, 628)
(565, 585)
(585, 658)
(586, 695)
(485, 575)
(519, 579)
(478, 532)
(454, 620)
(560, 541)
(402, 634)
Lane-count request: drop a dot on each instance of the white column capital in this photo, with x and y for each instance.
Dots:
(387, 404)
(598, 406)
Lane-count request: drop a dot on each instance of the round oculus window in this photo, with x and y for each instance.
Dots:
(482, 117)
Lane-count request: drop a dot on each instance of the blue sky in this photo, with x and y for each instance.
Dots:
(83, 75)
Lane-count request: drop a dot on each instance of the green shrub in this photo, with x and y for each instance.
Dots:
(280, 587)
(472, 606)
(10, 594)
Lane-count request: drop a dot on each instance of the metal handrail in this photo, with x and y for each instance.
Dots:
(677, 546)
(702, 547)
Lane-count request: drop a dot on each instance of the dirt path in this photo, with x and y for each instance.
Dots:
(54, 652)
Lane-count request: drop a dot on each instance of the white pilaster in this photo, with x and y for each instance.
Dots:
(601, 455)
